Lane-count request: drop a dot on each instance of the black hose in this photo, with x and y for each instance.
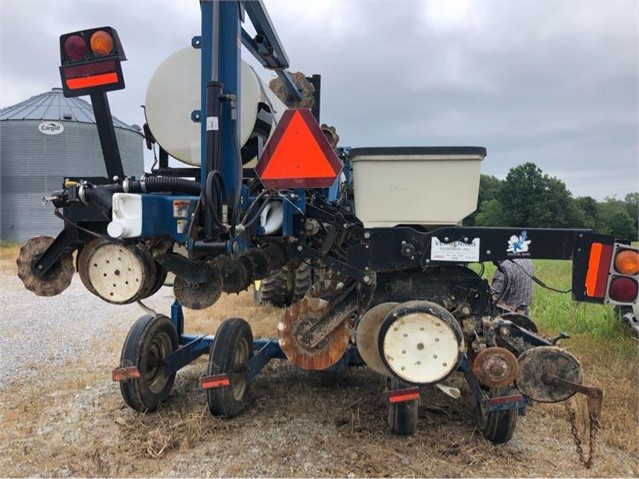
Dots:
(162, 184)
(213, 196)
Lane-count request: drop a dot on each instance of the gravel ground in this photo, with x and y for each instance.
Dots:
(62, 416)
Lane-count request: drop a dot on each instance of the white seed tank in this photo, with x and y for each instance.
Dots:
(173, 94)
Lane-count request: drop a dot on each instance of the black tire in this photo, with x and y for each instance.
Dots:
(148, 343)
(403, 416)
(230, 353)
(497, 426)
(302, 281)
(284, 287)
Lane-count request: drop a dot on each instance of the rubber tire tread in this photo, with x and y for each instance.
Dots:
(222, 401)
(303, 281)
(135, 392)
(402, 417)
(500, 425)
(274, 290)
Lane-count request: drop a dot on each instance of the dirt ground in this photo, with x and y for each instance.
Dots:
(66, 418)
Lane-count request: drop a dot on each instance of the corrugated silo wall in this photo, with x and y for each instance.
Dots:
(33, 165)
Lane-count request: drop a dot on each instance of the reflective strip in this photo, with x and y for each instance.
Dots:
(95, 80)
(216, 381)
(403, 395)
(598, 267)
(124, 374)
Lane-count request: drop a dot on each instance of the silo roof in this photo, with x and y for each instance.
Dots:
(53, 105)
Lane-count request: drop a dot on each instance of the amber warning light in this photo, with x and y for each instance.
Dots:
(298, 155)
(91, 62)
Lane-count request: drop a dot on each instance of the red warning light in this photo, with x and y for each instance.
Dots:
(298, 155)
(75, 47)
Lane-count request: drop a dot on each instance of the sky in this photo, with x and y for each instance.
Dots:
(552, 82)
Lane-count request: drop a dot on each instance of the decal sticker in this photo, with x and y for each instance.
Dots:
(50, 127)
(181, 226)
(456, 251)
(519, 244)
(181, 208)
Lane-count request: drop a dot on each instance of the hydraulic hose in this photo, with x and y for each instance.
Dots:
(101, 195)
(162, 184)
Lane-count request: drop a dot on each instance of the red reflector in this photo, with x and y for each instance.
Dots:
(505, 399)
(88, 82)
(124, 374)
(215, 381)
(598, 267)
(75, 47)
(403, 395)
(298, 155)
(623, 289)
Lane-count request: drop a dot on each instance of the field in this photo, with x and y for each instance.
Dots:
(62, 416)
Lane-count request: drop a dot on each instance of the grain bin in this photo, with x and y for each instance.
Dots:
(42, 140)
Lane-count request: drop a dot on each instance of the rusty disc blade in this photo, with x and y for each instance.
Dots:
(57, 279)
(232, 273)
(291, 330)
(496, 367)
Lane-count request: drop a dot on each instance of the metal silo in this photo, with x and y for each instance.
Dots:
(43, 140)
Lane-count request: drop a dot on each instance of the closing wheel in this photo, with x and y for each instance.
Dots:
(230, 354)
(402, 416)
(149, 342)
(497, 426)
(57, 279)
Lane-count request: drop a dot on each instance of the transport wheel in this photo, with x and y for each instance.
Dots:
(230, 354)
(402, 416)
(149, 342)
(497, 426)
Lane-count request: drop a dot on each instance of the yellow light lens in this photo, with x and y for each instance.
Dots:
(627, 262)
(101, 43)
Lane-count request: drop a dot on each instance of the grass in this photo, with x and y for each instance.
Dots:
(557, 312)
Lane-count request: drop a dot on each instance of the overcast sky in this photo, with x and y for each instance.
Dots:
(553, 82)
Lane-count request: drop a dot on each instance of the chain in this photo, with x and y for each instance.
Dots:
(585, 459)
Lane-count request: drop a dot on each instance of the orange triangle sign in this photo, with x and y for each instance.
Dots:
(298, 155)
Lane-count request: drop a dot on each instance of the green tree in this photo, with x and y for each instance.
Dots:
(588, 207)
(613, 219)
(533, 199)
(490, 214)
(488, 188)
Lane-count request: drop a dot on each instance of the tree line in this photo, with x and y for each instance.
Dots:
(528, 197)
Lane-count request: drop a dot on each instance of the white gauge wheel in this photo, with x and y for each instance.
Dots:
(420, 348)
(367, 337)
(117, 273)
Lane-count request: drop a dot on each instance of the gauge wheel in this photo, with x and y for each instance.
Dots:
(402, 416)
(497, 426)
(149, 342)
(230, 353)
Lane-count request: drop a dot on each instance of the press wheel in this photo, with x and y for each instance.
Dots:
(149, 342)
(402, 416)
(230, 354)
(497, 426)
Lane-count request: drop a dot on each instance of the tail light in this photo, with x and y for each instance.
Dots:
(91, 62)
(623, 284)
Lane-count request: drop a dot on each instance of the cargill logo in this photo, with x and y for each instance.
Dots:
(50, 128)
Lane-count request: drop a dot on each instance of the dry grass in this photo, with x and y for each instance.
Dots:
(263, 319)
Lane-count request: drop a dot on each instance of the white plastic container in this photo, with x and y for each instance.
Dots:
(126, 216)
(173, 94)
(415, 185)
